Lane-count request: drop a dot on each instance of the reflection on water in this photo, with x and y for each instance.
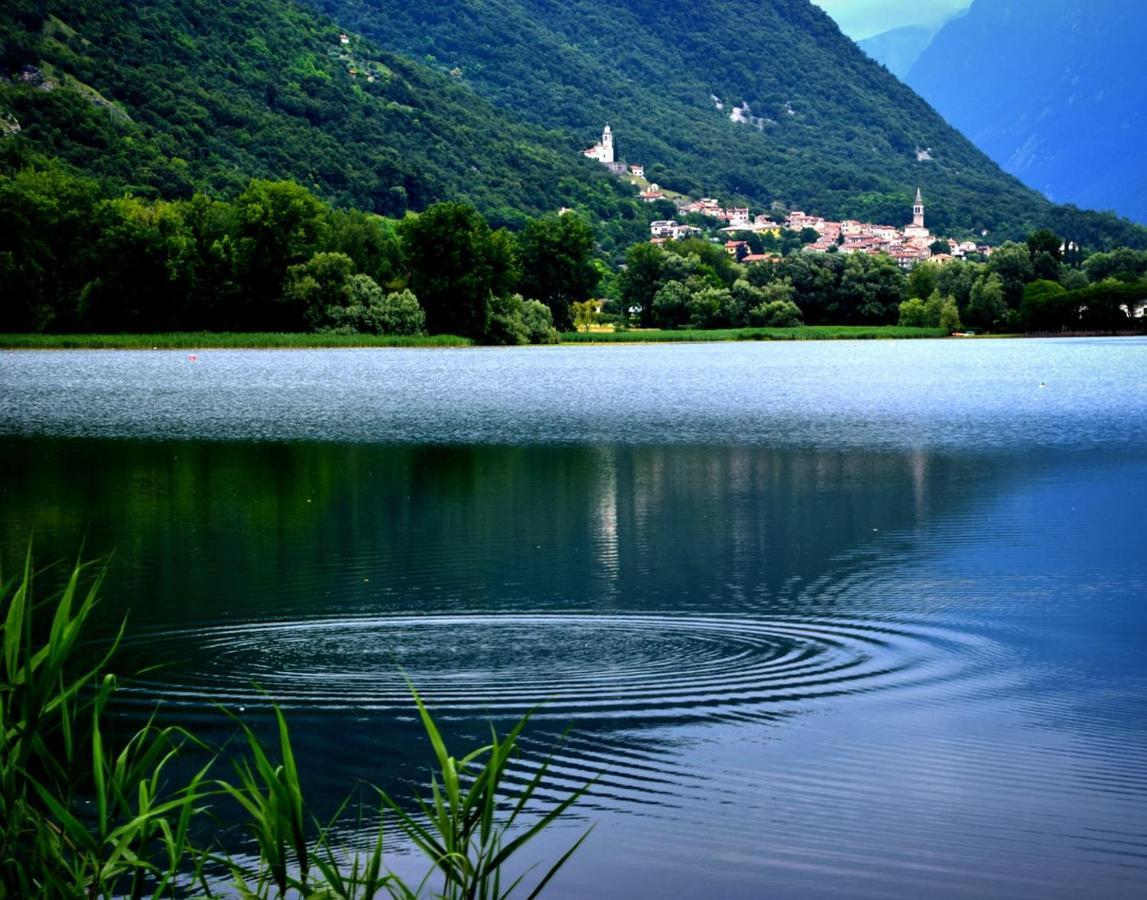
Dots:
(903, 667)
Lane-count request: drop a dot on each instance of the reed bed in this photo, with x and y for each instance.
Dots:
(85, 812)
(206, 340)
(802, 333)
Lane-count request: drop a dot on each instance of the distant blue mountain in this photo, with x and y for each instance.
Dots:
(899, 48)
(1054, 90)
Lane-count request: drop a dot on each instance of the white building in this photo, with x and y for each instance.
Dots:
(917, 230)
(602, 151)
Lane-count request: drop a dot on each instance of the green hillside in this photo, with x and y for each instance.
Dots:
(828, 130)
(171, 96)
(490, 102)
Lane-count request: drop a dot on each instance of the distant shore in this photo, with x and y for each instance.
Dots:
(197, 340)
(801, 333)
(272, 340)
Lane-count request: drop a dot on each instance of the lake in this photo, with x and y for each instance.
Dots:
(832, 619)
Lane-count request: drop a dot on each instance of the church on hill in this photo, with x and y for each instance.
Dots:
(917, 230)
(603, 150)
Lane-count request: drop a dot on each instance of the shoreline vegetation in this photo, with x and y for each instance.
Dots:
(296, 341)
(206, 340)
(229, 340)
(88, 810)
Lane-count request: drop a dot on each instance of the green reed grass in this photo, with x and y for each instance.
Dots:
(84, 814)
(802, 333)
(205, 340)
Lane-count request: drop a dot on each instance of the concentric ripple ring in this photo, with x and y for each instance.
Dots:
(577, 664)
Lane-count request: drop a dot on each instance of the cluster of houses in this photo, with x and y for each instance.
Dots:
(907, 245)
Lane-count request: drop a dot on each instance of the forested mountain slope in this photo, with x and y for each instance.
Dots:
(827, 129)
(490, 102)
(168, 96)
(1053, 90)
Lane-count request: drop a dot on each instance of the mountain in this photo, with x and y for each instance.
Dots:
(862, 19)
(897, 50)
(1053, 90)
(387, 106)
(169, 96)
(760, 99)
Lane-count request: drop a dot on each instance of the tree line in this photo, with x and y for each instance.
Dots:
(1035, 286)
(278, 258)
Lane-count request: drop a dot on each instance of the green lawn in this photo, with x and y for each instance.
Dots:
(803, 333)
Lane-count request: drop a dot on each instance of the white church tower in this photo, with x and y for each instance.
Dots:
(602, 152)
(917, 231)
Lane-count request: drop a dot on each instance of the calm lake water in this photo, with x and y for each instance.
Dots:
(856, 619)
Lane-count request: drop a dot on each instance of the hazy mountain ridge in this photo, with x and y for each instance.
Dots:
(1052, 90)
(897, 50)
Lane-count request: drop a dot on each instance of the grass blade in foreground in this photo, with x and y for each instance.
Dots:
(464, 836)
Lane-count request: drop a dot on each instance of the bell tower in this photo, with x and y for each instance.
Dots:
(607, 145)
(918, 210)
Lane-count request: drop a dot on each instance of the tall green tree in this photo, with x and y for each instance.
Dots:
(456, 266)
(871, 289)
(641, 280)
(557, 259)
(1012, 262)
(48, 224)
(143, 265)
(280, 224)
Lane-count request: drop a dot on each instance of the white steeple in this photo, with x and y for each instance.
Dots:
(918, 210)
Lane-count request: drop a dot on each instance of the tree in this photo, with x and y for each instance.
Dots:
(1123, 263)
(585, 314)
(48, 224)
(641, 280)
(1043, 309)
(516, 321)
(1012, 263)
(280, 224)
(987, 308)
(871, 289)
(142, 262)
(457, 266)
(1044, 240)
(370, 240)
(670, 306)
(938, 247)
(557, 259)
(776, 314)
(316, 292)
(711, 307)
(913, 313)
(923, 279)
(949, 318)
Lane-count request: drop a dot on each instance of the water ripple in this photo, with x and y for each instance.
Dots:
(579, 666)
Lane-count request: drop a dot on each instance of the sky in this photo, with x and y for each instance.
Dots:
(863, 18)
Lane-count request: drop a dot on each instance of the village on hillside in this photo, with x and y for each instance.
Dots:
(907, 244)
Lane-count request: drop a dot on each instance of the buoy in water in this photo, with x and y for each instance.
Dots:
(193, 357)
